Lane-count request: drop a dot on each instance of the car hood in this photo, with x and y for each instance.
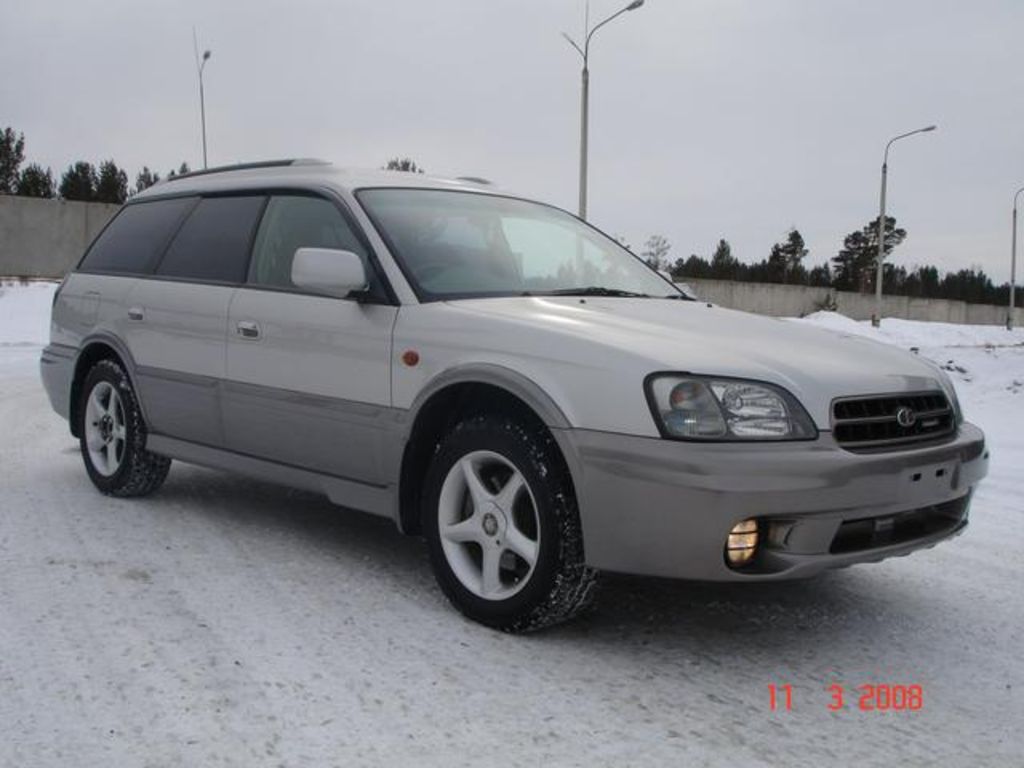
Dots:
(650, 335)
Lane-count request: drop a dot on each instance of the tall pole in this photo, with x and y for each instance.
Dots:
(876, 319)
(202, 112)
(584, 139)
(1013, 265)
(200, 66)
(584, 53)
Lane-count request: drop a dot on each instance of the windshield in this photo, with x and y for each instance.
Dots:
(462, 244)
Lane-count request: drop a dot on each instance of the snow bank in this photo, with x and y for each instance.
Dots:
(25, 313)
(915, 333)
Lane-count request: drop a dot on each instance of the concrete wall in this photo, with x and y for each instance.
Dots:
(799, 300)
(46, 238)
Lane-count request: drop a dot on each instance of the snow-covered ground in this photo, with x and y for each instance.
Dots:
(24, 324)
(225, 621)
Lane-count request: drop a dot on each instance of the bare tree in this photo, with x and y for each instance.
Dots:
(656, 251)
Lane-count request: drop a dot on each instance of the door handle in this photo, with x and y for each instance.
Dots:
(136, 313)
(247, 329)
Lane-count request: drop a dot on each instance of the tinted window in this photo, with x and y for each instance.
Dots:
(293, 222)
(213, 243)
(134, 239)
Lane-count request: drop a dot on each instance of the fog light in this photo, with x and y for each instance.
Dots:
(741, 545)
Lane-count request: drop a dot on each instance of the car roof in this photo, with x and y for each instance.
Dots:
(301, 174)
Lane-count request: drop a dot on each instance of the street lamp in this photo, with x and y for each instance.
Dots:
(1013, 264)
(585, 92)
(200, 66)
(877, 319)
(202, 101)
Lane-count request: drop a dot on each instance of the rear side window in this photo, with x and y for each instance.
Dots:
(133, 241)
(213, 243)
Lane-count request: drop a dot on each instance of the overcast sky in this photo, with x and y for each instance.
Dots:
(710, 118)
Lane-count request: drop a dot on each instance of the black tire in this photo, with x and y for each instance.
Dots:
(139, 472)
(560, 585)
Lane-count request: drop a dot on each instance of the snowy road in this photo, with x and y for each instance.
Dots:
(228, 622)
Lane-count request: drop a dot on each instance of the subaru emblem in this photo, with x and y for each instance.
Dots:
(905, 417)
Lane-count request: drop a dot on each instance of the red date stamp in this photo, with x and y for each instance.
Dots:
(869, 697)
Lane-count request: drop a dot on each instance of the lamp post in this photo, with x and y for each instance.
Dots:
(200, 66)
(1013, 264)
(877, 319)
(202, 101)
(584, 52)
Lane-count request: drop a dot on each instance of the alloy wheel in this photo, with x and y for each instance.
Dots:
(105, 430)
(488, 525)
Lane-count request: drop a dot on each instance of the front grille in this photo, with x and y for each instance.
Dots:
(891, 421)
(873, 532)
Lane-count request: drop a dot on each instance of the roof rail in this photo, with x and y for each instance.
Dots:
(249, 166)
(475, 180)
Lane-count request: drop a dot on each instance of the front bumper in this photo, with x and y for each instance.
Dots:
(664, 508)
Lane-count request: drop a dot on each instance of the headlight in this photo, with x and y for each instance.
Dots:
(706, 408)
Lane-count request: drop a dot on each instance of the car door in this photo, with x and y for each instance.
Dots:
(95, 296)
(177, 318)
(308, 376)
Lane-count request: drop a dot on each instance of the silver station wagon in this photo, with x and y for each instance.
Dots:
(499, 377)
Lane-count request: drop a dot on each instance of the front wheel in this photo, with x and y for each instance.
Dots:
(113, 435)
(503, 528)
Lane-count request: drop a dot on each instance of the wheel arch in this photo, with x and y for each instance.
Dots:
(93, 350)
(451, 396)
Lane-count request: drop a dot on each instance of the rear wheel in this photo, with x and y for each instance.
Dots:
(113, 435)
(503, 528)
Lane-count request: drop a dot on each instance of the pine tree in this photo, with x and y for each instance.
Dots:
(856, 263)
(145, 179)
(776, 266)
(929, 277)
(785, 262)
(820, 276)
(724, 266)
(111, 184)
(402, 164)
(79, 182)
(12, 155)
(35, 182)
(694, 266)
(894, 279)
(793, 251)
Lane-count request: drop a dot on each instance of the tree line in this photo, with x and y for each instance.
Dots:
(853, 268)
(84, 181)
(104, 182)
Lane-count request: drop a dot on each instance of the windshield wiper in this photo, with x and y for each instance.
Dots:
(596, 290)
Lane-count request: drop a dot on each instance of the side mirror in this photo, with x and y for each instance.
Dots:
(328, 271)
